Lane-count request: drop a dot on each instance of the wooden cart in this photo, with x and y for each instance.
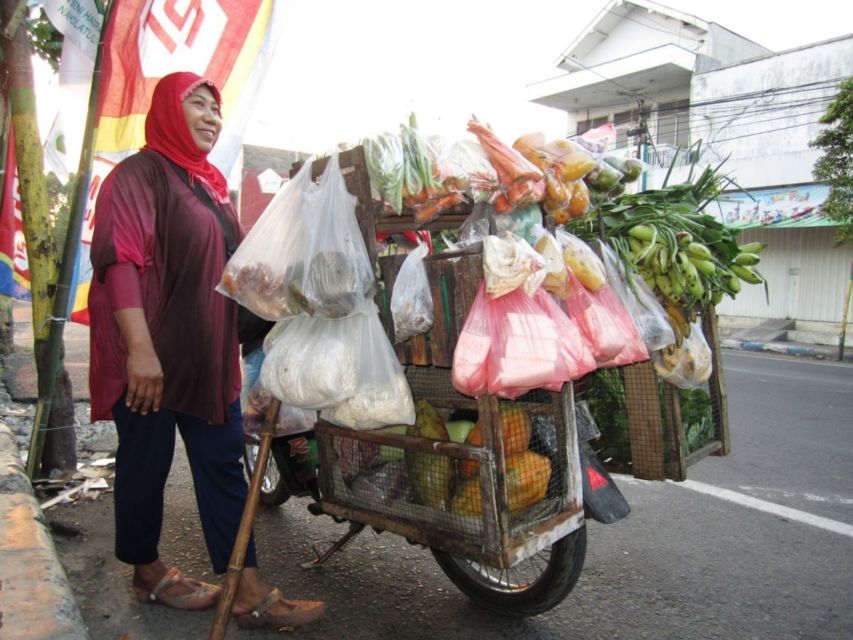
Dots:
(495, 536)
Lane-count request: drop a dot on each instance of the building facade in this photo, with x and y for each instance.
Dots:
(679, 89)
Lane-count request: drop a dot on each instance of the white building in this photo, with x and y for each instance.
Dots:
(667, 80)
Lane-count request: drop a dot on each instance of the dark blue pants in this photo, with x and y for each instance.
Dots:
(145, 448)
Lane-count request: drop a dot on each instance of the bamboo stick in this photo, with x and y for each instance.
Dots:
(238, 553)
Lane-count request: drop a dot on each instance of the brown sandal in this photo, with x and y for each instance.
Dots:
(299, 612)
(201, 595)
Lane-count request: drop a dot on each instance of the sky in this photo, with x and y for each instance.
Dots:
(345, 70)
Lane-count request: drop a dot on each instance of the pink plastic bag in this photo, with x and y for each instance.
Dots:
(573, 349)
(468, 374)
(605, 325)
(526, 349)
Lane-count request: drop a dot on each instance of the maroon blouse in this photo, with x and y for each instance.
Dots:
(151, 226)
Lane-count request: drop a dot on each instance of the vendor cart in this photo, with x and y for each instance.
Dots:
(510, 557)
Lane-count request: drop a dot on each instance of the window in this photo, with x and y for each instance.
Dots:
(586, 125)
(674, 123)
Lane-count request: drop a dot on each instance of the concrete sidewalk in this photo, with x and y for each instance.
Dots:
(36, 601)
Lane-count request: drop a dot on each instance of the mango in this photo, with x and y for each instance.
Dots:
(430, 474)
(388, 453)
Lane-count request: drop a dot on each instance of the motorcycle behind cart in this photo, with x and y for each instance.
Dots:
(512, 555)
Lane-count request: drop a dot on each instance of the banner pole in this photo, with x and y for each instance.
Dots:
(66, 268)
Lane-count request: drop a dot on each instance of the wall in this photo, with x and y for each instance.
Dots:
(807, 276)
(766, 135)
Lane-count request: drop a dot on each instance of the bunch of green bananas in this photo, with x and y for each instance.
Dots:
(686, 271)
(689, 258)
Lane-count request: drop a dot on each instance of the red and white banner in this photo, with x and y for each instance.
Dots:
(146, 40)
(14, 267)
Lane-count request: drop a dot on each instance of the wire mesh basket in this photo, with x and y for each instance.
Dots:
(503, 493)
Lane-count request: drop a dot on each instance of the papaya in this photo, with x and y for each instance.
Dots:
(515, 427)
(430, 474)
(527, 477)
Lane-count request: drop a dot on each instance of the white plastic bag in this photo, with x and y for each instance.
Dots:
(305, 254)
(381, 395)
(509, 262)
(411, 300)
(311, 363)
(646, 312)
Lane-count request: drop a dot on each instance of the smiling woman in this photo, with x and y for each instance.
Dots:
(204, 117)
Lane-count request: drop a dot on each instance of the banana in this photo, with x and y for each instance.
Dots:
(643, 232)
(684, 238)
(636, 245)
(752, 247)
(691, 277)
(746, 259)
(664, 285)
(746, 274)
(717, 297)
(663, 259)
(731, 283)
(680, 326)
(698, 250)
(705, 267)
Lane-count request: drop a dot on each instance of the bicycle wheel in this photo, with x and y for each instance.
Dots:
(533, 586)
(274, 490)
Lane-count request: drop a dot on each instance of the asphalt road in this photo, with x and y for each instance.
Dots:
(685, 564)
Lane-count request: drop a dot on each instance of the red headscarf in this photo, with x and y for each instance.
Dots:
(166, 130)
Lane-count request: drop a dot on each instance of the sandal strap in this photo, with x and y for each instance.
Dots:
(172, 577)
(269, 600)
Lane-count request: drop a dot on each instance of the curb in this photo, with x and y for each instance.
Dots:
(36, 602)
(786, 348)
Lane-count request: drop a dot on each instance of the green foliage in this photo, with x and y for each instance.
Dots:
(46, 41)
(696, 418)
(835, 167)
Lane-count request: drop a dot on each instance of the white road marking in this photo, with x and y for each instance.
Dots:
(754, 503)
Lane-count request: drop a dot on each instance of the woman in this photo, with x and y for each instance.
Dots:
(165, 352)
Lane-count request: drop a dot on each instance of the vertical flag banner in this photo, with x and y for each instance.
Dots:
(147, 39)
(14, 268)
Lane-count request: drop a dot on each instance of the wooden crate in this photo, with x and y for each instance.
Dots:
(494, 536)
(655, 427)
(454, 279)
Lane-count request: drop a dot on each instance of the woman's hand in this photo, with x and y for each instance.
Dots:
(144, 380)
(144, 373)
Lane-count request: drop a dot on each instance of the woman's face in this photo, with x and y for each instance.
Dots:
(203, 117)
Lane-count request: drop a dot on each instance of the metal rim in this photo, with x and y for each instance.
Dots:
(516, 579)
(271, 477)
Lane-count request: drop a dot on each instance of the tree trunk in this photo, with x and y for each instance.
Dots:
(43, 253)
(7, 326)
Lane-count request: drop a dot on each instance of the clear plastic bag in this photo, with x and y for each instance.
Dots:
(464, 168)
(290, 419)
(688, 366)
(381, 395)
(257, 274)
(411, 300)
(648, 315)
(556, 278)
(305, 254)
(520, 222)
